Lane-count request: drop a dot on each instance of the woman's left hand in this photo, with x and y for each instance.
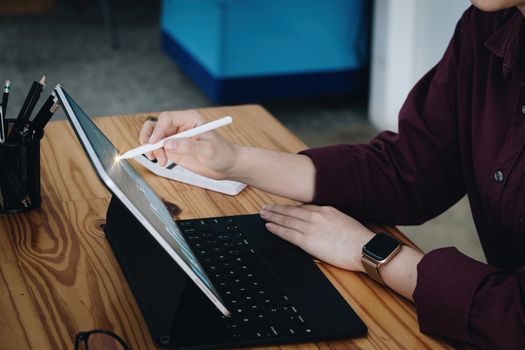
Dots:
(323, 232)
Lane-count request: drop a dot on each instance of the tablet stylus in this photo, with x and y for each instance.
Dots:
(185, 134)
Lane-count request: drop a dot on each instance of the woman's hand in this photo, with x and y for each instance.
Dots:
(207, 154)
(323, 232)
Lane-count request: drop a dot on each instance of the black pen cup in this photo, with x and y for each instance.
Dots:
(20, 173)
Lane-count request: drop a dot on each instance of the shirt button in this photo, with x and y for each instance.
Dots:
(498, 176)
(523, 109)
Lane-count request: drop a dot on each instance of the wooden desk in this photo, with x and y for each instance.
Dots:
(58, 275)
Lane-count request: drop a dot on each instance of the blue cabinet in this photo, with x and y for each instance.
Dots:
(249, 50)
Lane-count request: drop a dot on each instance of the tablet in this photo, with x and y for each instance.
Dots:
(139, 198)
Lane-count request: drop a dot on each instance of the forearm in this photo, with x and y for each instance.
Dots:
(285, 174)
(400, 274)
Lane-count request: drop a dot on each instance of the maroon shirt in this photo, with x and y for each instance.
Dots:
(461, 131)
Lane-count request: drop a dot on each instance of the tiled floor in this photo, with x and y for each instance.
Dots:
(71, 45)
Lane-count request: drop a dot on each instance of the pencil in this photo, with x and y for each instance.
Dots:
(44, 115)
(29, 105)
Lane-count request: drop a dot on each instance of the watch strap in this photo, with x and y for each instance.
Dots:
(372, 269)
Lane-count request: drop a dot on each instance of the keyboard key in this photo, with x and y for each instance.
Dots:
(231, 227)
(226, 264)
(236, 335)
(192, 237)
(207, 259)
(222, 283)
(217, 250)
(202, 252)
(295, 319)
(272, 331)
(261, 292)
(212, 267)
(189, 230)
(255, 284)
(224, 236)
(202, 226)
(183, 225)
(245, 320)
(236, 243)
(303, 329)
(196, 244)
(217, 275)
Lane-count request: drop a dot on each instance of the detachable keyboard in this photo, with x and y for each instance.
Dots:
(259, 308)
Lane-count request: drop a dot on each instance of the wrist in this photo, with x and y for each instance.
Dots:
(377, 253)
(364, 238)
(238, 169)
(357, 240)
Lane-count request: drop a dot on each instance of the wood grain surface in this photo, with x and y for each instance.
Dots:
(58, 275)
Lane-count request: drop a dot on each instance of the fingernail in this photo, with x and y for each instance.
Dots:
(265, 207)
(170, 146)
(262, 213)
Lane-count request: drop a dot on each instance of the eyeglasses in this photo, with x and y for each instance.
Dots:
(99, 339)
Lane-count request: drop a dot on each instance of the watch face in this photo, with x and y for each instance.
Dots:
(380, 247)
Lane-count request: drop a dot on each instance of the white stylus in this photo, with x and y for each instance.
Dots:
(185, 134)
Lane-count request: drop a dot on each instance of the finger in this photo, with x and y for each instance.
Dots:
(150, 155)
(145, 134)
(285, 233)
(160, 130)
(189, 147)
(170, 123)
(289, 210)
(161, 156)
(284, 220)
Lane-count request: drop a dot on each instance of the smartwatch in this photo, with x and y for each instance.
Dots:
(377, 252)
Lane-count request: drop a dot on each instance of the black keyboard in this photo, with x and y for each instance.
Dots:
(257, 309)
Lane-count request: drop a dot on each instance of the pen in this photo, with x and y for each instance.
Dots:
(29, 104)
(2, 127)
(5, 96)
(43, 116)
(185, 134)
(3, 111)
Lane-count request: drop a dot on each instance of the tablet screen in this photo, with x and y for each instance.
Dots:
(123, 180)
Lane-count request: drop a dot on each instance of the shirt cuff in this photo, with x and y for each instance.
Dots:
(447, 281)
(337, 183)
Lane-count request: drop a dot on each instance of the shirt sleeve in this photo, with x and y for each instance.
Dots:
(406, 177)
(463, 299)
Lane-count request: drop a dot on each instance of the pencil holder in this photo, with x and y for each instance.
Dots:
(20, 173)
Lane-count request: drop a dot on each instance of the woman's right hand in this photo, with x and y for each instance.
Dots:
(207, 154)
